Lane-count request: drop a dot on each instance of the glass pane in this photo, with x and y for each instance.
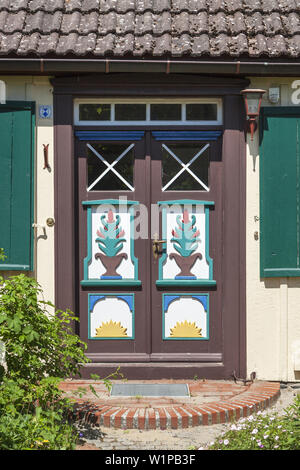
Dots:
(110, 181)
(201, 112)
(130, 112)
(165, 112)
(185, 181)
(94, 112)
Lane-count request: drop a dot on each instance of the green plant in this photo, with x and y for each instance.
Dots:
(34, 416)
(263, 432)
(37, 343)
(185, 236)
(2, 255)
(40, 350)
(109, 237)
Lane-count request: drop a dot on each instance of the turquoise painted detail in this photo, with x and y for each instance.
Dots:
(109, 282)
(94, 298)
(109, 236)
(185, 236)
(165, 282)
(167, 299)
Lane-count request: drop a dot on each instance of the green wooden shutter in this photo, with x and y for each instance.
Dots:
(16, 184)
(279, 192)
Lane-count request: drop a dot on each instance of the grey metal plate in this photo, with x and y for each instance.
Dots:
(150, 390)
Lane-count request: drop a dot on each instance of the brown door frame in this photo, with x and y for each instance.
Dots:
(234, 181)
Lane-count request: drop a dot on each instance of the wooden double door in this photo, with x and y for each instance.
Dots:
(151, 261)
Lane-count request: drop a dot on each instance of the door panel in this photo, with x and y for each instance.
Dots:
(187, 284)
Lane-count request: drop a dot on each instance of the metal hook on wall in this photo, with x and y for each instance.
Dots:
(46, 161)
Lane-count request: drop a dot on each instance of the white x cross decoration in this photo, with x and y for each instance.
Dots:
(185, 167)
(110, 167)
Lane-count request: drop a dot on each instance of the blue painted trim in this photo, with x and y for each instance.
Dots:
(167, 299)
(110, 277)
(114, 202)
(186, 135)
(185, 277)
(186, 201)
(109, 280)
(93, 299)
(109, 135)
(203, 298)
(181, 280)
(117, 282)
(186, 282)
(128, 298)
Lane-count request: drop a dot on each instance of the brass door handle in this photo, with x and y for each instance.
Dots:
(155, 247)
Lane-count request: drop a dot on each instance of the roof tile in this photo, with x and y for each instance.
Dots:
(155, 27)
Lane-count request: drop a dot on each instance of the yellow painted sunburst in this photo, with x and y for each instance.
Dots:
(111, 330)
(185, 330)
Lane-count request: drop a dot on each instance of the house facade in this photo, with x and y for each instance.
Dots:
(132, 191)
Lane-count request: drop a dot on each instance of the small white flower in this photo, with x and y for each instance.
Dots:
(276, 438)
(279, 426)
(226, 441)
(255, 431)
(276, 447)
(266, 436)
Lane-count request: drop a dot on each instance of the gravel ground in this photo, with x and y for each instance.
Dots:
(178, 439)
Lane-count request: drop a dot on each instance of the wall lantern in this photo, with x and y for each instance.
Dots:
(252, 98)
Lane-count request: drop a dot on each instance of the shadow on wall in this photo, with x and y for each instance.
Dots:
(253, 151)
(274, 283)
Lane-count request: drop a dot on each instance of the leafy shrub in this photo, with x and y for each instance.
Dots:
(29, 421)
(37, 343)
(263, 431)
(40, 350)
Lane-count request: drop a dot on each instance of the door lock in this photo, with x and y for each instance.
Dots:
(156, 246)
(50, 222)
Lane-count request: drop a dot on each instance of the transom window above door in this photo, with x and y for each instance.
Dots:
(106, 112)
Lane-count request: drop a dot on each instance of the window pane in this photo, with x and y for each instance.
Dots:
(185, 181)
(101, 180)
(130, 112)
(201, 112)
(165, 112)
(94, 112)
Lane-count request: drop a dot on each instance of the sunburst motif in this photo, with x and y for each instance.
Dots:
(111, 330)
(185, 330)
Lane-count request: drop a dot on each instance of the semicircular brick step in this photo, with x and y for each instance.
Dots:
(137, 415)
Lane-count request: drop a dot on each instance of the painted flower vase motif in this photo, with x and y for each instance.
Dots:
(185, 241)
(110, 242)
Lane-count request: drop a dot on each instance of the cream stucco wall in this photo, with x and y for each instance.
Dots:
(39, 89)
(273, 305)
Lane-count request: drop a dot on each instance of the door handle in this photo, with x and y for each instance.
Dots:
(155, 246)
